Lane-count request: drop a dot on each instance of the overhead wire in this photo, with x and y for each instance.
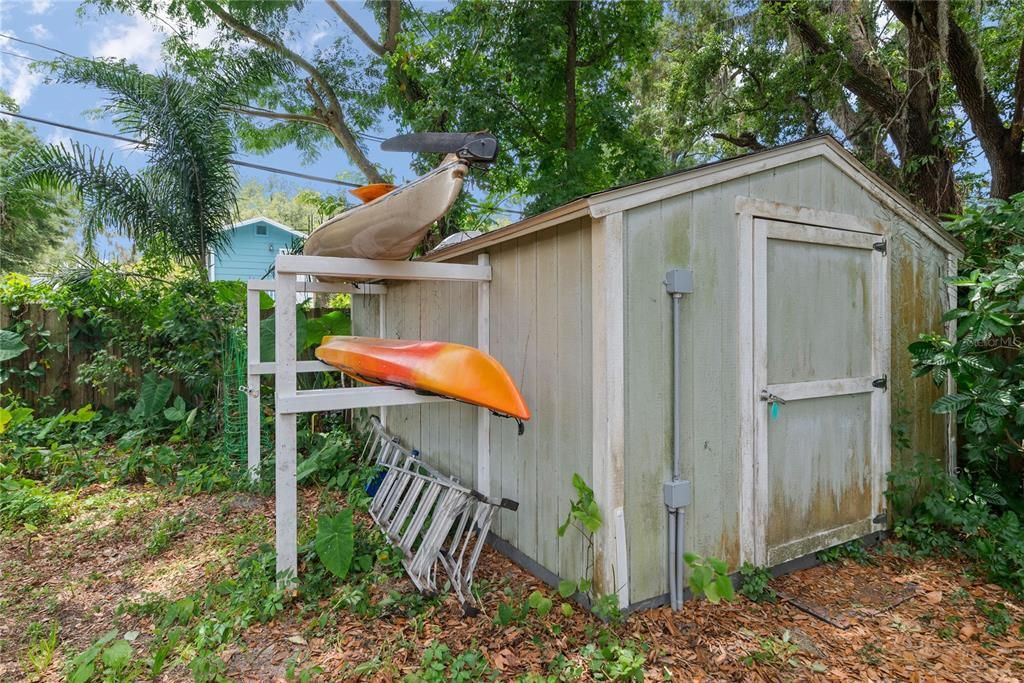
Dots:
(143, 143)
(236, 162)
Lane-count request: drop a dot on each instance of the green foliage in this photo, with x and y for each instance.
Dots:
(107, 659)
(773, 651)
(166, 530)
(178, 204)
(755, 583)
(854, 550)
(709, 577)
(25, 502)
(41, 649)
(12, 345)
(439, 665)
(615, 662)
(948, 515)
(583, 511)
(335, 543)
(34, 224)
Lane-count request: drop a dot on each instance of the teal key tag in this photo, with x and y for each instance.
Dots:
(775, 411)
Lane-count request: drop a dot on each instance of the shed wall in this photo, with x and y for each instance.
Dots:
(540, 312)
(699, 230)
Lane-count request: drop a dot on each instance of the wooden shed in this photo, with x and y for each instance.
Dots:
(810, 276)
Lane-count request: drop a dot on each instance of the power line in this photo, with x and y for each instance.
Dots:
(365, 136)
(141, 143)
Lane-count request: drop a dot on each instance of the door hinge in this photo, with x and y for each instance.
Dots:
(881, 383)
(881, 247)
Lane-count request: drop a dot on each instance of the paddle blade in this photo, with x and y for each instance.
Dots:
(474, 147)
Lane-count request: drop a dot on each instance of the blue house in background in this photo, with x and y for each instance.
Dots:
(249, 251)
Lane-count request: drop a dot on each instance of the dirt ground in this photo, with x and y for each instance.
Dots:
(897, 619)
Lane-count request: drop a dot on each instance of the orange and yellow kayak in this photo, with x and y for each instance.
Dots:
(451, 370)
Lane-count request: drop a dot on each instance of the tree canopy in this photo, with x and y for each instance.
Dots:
(179, 202)
(584, 95)
(34, 225)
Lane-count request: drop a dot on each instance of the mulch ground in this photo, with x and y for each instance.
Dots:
(896, 620)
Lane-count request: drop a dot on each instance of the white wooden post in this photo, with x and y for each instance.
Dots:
(382, 327)
(252, 383)
(483, 416)
(286, 509)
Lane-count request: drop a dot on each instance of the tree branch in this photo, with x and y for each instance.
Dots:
(394, 17)
(276, 115)
(355, 27)
(333, 115)
(745, 139)
(1017, 122)
(968, 73)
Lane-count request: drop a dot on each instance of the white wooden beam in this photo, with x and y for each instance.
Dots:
(382, 326)
(483, 416)
(379, 270)
(302, 366)
(318, 400)
(320, 287)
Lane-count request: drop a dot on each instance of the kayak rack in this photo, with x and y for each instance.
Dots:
(293, 278)
(430, 517)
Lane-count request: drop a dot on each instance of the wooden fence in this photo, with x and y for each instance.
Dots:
(58, 386)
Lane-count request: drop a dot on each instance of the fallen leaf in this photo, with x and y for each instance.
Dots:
(967, 632)
(934, 597)
(298, 640)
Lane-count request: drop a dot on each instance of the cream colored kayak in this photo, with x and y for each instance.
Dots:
(391, 226)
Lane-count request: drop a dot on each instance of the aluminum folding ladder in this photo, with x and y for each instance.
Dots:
(429, 516)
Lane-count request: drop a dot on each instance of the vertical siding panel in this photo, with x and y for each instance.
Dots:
(564, 456)
(526, 351)
(505, 333)
(546, 424)
(648, 401)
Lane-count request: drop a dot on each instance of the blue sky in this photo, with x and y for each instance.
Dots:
(57, 23)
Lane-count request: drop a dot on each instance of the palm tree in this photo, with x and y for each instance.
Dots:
(179, 202)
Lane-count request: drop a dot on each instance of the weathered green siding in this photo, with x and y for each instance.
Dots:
(699, 230)
(540, 331)
(540, 312)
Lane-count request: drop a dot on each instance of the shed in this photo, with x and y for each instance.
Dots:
(811, 276)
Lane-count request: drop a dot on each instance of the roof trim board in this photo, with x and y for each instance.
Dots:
(268, 221)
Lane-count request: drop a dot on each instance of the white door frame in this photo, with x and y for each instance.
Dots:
(804, 225)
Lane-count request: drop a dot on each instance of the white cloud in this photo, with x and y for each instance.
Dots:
(139, 39)
(39, 32)
(58, 137)
(135, 40)
(16, 75)
(40, 6)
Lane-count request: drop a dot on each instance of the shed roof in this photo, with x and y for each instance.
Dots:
(622, 198)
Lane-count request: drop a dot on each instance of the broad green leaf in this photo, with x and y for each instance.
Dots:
(12, 345)
(335, 542)
(267, 336)
(566, 588)
(723, 586)
(118, 655)
(952, 403)
(567, 610)
(5, 419)
(504, 614)
(720, 566)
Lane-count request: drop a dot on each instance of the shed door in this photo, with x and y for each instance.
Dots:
(820, 357)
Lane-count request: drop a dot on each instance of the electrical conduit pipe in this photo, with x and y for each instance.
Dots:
(677, 491)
